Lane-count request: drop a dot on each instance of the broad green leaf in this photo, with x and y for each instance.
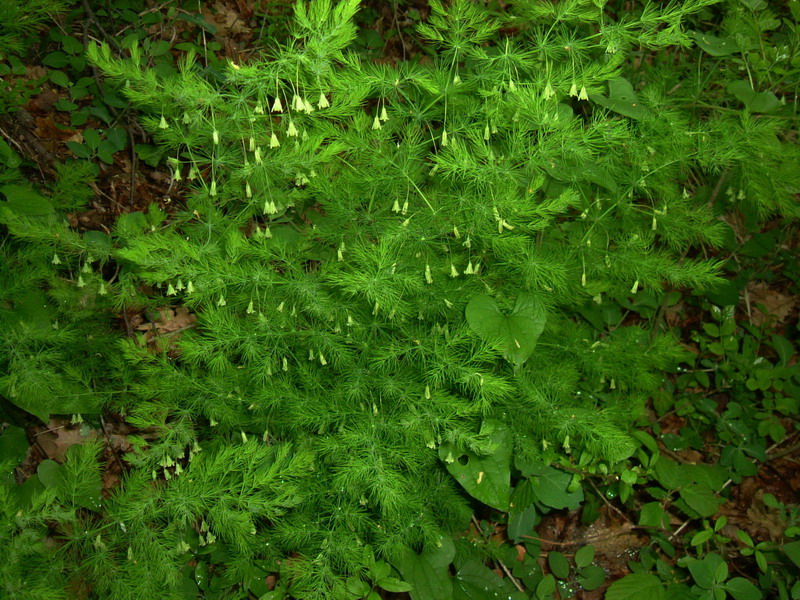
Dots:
(591, 577)
(637, 586)
(705, 572)
(701, 499)
(551, 489)
(546, 587)
(80, 150)
(622, 99)
(742, 589)
(515, 335)
(428, 572)
(357, 587)
(98, 240)
(7, 156)
(24, 494)
(59, 78)
(118, 138)
(56, 60)
(106, 152)
(50, 474)
(760, 102)
(487, 478)
(13, 445)
(792, 550)
(475, 581)
(559, 565)
(713, 45)
(393, 584)
(521, 522)
(653, 515)
(584, 556)
(92, 138)
(23, 200)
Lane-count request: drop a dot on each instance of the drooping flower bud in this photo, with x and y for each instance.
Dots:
(297, 102)
(323, 101)
(277, 106)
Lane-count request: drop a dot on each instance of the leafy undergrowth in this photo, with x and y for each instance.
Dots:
(400, 299)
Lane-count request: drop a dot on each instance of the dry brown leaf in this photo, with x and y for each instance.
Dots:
(779, 306)
(60, 435)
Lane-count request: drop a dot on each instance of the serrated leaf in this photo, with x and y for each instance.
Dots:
(516, 334)
(701, 499)
(486, 478)
(637, 586)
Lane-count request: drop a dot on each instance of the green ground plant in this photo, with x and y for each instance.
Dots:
(410, 283)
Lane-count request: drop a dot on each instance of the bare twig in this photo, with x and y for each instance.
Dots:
(510, 576)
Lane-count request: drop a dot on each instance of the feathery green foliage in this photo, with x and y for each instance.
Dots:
(392, 267)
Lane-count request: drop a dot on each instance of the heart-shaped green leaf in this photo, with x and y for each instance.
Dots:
(487, 478)
(515, 334)
(622, 99)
